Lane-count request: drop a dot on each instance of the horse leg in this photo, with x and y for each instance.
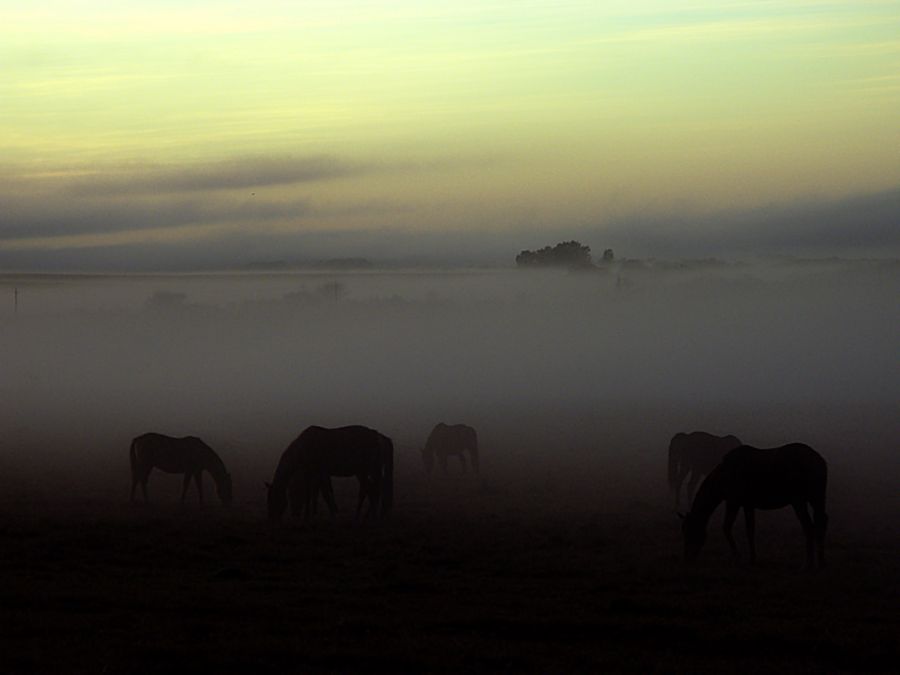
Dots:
(328, 494)
(185, 485)
(442, 460)
(731, 511)
(820, 524)
(139, 477)
(311, 495)
(807, 523)
(198, 478)
(679, 481)
(374, 495)
(462, 460)
(362, 495)
(692, 485)
(295, 504)
(750, 522)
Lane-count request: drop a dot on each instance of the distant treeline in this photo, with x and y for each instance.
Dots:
(571, 254)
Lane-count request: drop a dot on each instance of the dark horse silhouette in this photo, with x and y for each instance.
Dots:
(750, 478)
(696, 453)
(188, 455)
(450, 439)
(315, 455)
(303, 498)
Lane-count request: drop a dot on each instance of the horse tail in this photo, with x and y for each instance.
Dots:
(674, 460)
(132, 457)
(387, 481)
(822, 487)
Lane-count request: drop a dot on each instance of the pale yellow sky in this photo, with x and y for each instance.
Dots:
(442, 115)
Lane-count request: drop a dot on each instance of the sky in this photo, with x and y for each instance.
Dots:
(139, 133)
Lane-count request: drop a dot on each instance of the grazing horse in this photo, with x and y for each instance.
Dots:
(302, 501)
(307, 464)
(188, 455)
(750, 478)
(697, 454)
(452, 439)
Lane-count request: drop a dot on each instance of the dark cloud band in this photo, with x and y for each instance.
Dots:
(232, 174)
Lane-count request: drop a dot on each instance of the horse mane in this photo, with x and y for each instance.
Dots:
(387, 491)
(674, 458)
(288, 463)
(711, 491)
(213, 462)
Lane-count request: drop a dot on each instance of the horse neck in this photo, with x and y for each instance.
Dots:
(674, 461)
(214, 465)
(709, 495)
(287, 466)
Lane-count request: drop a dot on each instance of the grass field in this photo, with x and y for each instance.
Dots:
(518, 569)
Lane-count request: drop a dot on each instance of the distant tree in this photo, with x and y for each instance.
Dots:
(608, 256)
(564, 254)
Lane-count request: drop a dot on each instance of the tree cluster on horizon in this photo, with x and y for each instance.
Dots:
(571, 254)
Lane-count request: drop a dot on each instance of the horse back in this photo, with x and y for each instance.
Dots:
(701, 450)
(451, 439)
(342, 451)
(775, 477)
(171, 455)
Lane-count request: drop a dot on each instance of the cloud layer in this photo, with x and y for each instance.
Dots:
(141, 197)
(256, 209)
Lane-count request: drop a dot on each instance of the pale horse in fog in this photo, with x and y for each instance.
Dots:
(696, 453)
(308, 463)
(189, 456)
(450, 439)
(750, 478)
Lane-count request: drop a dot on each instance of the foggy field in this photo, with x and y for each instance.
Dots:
(515, 571)
(562, 555)
(604, 364)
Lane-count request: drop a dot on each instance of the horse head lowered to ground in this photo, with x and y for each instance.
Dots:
(189, 456)
(696, 453)
(750, 478)
(308, 463)
(450, 439)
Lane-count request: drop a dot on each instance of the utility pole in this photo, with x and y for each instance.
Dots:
(16, 301)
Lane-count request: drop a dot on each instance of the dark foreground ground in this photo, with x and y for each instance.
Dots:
(528, 573)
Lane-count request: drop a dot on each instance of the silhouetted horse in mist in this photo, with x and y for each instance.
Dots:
(696, 453)
(749, 478)
(302, 501)
(450, 439)
(317, 454)
(188, 455)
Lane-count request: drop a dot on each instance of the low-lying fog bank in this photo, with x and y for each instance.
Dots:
(588, 372)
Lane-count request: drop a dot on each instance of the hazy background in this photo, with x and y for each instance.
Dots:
(581, 376)
(175, 178)
(212, 134)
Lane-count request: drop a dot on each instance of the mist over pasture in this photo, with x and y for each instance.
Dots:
(588, 373)
(224, 226)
